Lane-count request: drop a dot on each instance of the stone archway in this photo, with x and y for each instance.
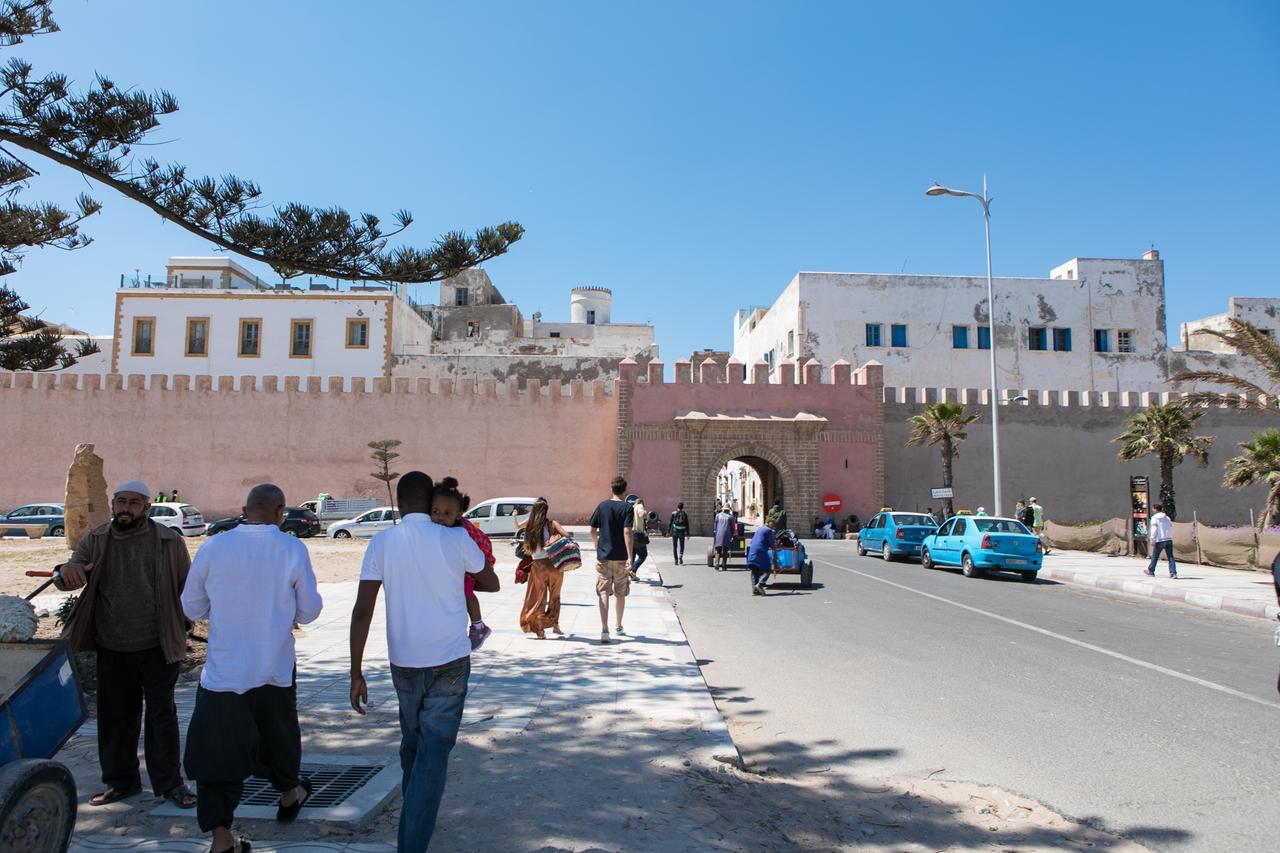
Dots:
(749, 452)
(707, 443)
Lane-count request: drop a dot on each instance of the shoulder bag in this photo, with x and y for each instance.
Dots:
(564, 553)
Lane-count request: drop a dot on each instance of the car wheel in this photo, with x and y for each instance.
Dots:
(292, 533)
(58, 530)
(862, 552)
(342, 534)
(885, 553)
(926, 559)
(1029, 577)
(806, 574)
(967, 566)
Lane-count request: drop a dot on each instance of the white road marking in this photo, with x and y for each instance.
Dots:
(1154, 667)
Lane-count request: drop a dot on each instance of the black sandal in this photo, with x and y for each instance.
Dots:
(180, 796)
(113, 795)
(289, 813)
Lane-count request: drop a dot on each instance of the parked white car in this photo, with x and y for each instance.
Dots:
(364, 525)
(493, 516)
(183, 518)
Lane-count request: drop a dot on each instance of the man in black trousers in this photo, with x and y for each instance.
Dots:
(132, 571)
(252, 584)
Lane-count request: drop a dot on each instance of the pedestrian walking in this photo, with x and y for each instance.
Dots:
(130, 614)
(1037, 522)
(611, 533)
(1161, 537)
(725, 529)
(541, 608)
(761, 558)
(421, 564)
(639, 536)
(1275, 579)
(253, 584)
(679, 528)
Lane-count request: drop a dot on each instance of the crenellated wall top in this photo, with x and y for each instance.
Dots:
(909, 396)
(734, 372)
(326, 385)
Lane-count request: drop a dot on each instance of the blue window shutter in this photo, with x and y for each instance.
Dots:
(984, 337)
(898, 335)
(959, 337)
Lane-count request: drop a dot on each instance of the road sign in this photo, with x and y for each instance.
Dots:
(832, 503)
(938, 494)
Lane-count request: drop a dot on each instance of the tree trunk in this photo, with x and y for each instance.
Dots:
(1166, 486)
(947, 453)
(391, 502)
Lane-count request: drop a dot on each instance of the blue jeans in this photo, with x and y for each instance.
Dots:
(1167, 547)
(760, 575)
(431, 700)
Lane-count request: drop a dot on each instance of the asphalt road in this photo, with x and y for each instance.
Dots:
(1156, 721)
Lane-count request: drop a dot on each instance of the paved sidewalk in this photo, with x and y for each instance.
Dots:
(632, 715)
(1243, 592)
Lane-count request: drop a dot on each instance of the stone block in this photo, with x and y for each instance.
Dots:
(87, 504)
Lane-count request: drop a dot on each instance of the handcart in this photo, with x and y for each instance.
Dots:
(738, 544)
(41, 707)
(790, 558)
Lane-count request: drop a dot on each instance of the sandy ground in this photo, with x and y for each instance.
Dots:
(332, 559)
(575, 781)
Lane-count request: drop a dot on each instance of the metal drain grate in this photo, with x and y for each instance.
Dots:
(331, 785)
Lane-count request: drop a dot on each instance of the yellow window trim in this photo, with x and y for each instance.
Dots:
(133, 340)
(186, 344)
(311, 337)
(352, 321)
(240, 338)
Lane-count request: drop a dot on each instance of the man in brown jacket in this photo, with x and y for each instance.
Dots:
(130, 613)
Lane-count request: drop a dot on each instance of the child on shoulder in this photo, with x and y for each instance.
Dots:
(447, 506)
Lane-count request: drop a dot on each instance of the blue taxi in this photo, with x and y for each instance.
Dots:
(978, 543)
(891, 534)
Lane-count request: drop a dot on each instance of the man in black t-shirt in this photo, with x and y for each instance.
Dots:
(679, 530)
(611, 526)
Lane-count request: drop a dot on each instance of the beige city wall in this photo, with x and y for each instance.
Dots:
(213, 437)
(1058, 447)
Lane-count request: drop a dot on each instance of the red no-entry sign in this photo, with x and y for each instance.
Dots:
(831, 503)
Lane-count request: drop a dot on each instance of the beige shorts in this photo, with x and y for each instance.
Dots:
(612, 578)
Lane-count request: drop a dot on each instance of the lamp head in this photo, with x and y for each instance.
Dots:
(937, 189)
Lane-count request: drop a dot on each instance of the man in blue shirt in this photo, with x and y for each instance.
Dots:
(760, 557)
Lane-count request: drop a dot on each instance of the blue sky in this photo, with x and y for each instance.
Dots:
(694, 156)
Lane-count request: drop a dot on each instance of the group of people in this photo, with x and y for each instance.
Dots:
(162, 498)
(141, 592)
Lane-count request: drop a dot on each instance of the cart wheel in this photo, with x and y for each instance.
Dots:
(37, 806)
(806, 574)
(711, 556)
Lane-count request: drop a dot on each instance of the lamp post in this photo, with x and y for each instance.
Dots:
(985, 200)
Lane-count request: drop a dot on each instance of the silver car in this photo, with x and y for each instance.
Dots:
(49, 514)
(364, 525)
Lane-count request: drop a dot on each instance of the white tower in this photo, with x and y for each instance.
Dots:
(590, 305)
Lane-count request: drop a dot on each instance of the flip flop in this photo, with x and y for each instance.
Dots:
(288, 814)
(113, 795)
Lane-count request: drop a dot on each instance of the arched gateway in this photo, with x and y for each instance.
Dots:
(815, 438)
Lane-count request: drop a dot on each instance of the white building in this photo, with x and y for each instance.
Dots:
(1093, 325)
(212, 316)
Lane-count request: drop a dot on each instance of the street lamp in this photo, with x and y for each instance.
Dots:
(985, 200)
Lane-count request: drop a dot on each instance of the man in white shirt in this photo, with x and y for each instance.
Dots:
(1161, 535)
(252, 583)
(422, 565)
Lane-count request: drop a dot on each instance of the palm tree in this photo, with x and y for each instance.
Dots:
(944, 424)
(1252, 342)
(1165, 432)
(1260, 463)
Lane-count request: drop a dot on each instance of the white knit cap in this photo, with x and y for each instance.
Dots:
(136, 486)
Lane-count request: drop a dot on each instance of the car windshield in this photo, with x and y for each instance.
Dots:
(999, 525)
(912, 518)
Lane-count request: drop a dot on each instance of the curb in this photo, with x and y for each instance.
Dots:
(1239, 606)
